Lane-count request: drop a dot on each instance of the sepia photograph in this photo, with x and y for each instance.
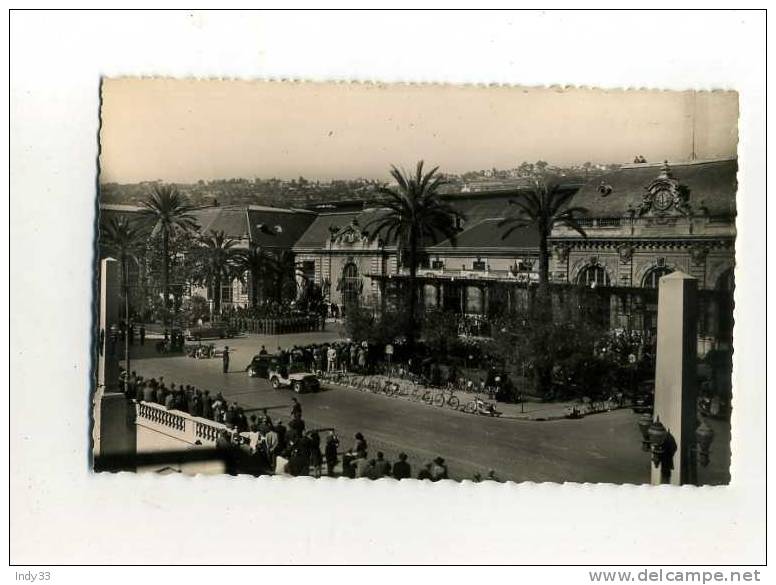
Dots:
(419, 282)
(394, 288)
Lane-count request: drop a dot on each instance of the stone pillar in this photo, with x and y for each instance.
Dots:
(113, 420)
(110, 301)
(675, 377)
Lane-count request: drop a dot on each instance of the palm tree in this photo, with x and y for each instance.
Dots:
(123, 238)
(544, 207)
(169, 212)
(214, 261)
(414, 216)
(283, 266)
(259, 264)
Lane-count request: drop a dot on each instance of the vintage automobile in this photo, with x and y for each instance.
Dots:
(299, 382)
(213, 330)
(260, 365)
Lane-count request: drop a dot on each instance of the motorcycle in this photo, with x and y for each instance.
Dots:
(480, 406)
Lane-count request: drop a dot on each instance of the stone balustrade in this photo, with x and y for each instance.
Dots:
(176, 424)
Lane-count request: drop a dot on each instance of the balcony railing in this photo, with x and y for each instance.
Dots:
(180, 425)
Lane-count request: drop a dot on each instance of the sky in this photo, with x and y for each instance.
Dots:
(188, 130)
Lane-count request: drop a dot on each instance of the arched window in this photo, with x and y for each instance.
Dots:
(351, 284)
(652, 277)
(595, 274)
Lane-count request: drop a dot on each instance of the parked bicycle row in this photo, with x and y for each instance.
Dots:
(412, 389)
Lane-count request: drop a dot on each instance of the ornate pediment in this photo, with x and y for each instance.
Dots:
(351, 234)
(664, 196)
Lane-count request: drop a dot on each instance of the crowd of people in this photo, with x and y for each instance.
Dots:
(272, 446)
(367, 359)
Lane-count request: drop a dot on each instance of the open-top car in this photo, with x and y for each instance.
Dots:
(299, 382)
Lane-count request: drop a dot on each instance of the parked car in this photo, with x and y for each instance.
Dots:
(299, 382)
(209, 331)
(261, 365)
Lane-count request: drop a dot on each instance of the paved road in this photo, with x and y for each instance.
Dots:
(599, 448)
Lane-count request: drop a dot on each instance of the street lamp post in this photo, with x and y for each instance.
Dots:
(658, 440)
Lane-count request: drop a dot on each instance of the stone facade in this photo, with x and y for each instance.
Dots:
(646, 221)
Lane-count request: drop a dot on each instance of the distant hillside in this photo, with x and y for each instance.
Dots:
(243, 192)
(302, 192)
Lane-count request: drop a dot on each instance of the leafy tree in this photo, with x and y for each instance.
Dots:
(414, 215)
(362, 324)
(194, 308)
(169, 212)
(439, 327)
(213, 262)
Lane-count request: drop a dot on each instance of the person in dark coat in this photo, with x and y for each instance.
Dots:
(207, 405)
(402, 469)
(332, 447)
(296, 427)
(265, 422)
(241, 421)
(381, 467)
(296, 408)
(142, 334)
(226, 359)
(223, 442)
(316, 457)
(197, 403)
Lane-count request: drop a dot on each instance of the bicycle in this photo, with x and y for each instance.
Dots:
(441, 399)
(402, 390)
(417, 394)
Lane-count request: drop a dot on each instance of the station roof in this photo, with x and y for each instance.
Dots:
(485, 234)
(710, 184)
